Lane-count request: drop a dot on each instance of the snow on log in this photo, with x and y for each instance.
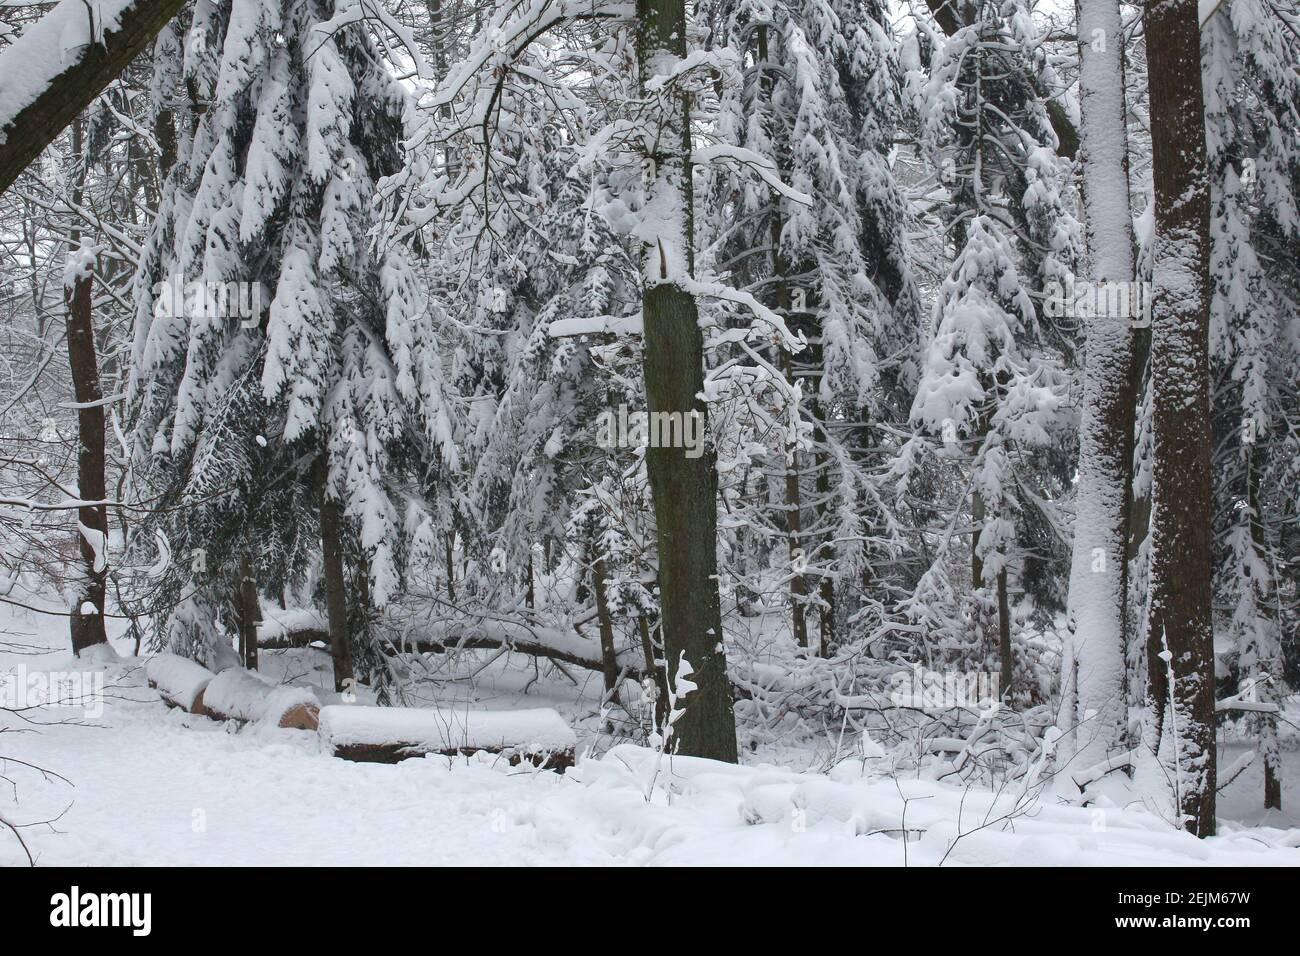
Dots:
(390, 734)
(295, 627)
(59, 64)
(237, 694)
(180, 681)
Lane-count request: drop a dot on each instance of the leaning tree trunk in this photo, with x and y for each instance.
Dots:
(1094, 706)
(336, 604)
(87, 620)
(30, 121)
(684, 490)
(1179, 622)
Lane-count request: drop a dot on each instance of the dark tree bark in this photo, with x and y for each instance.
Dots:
(87, 620)
(250, 612)
(608, 656)
(1182, 669)
(87, 72)
(684, 489)
(336, 604)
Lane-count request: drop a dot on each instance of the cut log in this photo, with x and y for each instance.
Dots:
(179, 680)
(237, 694)
(389, 734)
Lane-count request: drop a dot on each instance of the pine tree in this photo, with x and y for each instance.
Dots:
(283, 121)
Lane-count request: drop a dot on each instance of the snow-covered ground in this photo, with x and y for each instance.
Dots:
(141, 784)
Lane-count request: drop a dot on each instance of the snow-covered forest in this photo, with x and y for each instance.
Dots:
(731, 432)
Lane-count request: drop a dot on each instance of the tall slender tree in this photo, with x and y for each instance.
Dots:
(1180, 662)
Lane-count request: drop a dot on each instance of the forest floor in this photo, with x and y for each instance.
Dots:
(141, 784)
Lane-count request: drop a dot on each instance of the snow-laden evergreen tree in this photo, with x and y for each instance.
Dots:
(282, 363)
(991, 379)
(820, 100)
(1252, 109)
(985, 399)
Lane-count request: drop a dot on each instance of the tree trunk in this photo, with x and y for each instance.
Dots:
(1266, 668)
(608, 657)
(684, 490)
(451, 566)
(1095, 705)
(826, 586)
(87, 620)
(1004, 639)
(85, 72)
(1180, 549)
(336, 605)
(250, 613)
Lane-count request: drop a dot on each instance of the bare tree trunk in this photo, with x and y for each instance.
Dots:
(1004, 638)
(654, 669)
(87, 619)
(684, 489)
(451, 567)
(826, 587)
(1264, 671)
(1180, 549)
(794, 534)
(336, 605)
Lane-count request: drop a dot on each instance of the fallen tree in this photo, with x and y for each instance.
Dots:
(485, 633)
(389, 734)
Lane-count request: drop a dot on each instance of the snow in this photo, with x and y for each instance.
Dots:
(539, 730)
(265, 795)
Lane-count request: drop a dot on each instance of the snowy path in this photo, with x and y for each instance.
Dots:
(152, 786)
